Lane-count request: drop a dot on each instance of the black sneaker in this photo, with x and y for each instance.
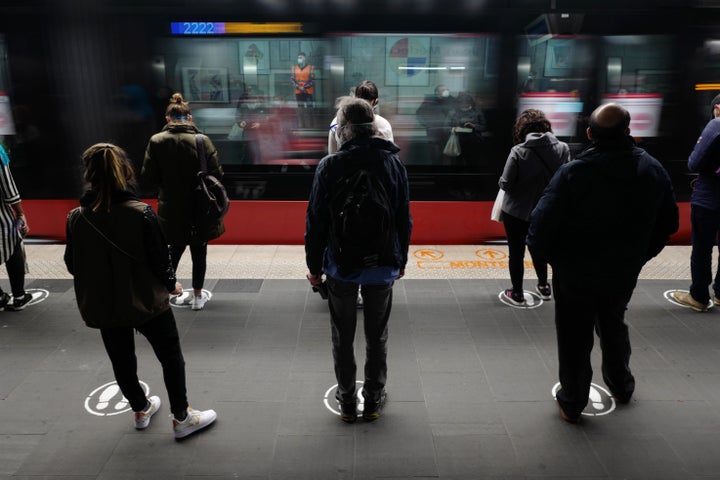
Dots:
(544, 291)
(513, 298)
(4, 300)
(19, 303)
(373, 410)
(348, 412)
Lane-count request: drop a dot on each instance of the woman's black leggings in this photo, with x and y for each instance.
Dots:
(198, 253)
(516, 231)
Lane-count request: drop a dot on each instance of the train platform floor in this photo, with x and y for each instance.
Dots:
(470, 381)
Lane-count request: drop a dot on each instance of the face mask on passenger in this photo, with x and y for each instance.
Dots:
(301, 60)
(445, 93)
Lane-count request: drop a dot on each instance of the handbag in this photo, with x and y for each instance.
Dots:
(452, 147)
(211, 202)
(496, 213)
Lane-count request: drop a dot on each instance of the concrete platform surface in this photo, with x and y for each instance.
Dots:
(470, 382)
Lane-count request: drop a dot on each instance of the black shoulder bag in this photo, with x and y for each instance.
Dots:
(211, 202)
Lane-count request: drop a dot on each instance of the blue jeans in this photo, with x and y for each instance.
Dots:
(377, 303)
(705, 224)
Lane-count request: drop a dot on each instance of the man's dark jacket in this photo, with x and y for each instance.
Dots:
(378, 156)
(603, 216)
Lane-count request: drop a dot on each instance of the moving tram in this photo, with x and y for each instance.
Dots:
(73, 74)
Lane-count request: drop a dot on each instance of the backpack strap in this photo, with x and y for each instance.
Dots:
(537, 153)
(99, 232)
(201, 152)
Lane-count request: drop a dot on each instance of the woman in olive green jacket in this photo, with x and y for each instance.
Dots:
(171, 164)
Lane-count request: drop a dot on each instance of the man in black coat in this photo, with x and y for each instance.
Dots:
(362, 155)
(612, 190)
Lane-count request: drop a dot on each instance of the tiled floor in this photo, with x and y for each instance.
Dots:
(470, 382)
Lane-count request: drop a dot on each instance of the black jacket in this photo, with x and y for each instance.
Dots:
(604, 215)
(171, 164)
(120, 262)
(382, 160)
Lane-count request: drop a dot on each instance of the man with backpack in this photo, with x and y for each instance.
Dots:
(358, 228)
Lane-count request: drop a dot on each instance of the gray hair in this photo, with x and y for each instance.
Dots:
(356, 117)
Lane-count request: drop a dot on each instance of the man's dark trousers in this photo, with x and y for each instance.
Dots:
(377, 303)
(579, 312)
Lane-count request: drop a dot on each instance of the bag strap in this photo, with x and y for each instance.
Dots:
(105, 236)
(201, 152)
(543, 161)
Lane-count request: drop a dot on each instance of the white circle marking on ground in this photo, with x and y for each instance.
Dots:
(669, 298)
(532, 300)
(107, 400)
(601, 400)
(331, 402)
(38, 295)
(183, 300)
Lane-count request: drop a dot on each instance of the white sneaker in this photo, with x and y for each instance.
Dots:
(142, 419)
(198, 301)
(195, 420)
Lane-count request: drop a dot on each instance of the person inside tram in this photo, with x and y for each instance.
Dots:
(468, 123)
(253, 124)
(432, 115)
(303, 78)
(367, 90)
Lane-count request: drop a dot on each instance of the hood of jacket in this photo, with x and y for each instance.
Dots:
(181, 127)
(370, 142)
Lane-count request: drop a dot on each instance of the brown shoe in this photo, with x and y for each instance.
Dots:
(684, 298)
(567, 417)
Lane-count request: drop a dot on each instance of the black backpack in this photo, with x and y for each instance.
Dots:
(362, 222)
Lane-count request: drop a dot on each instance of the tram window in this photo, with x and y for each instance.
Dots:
(240, 90)
(556, 76)
(640, 76)
(7, 125)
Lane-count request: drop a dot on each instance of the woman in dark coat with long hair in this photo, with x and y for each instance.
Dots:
(171, 164)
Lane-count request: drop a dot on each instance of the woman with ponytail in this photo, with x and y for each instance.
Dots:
(123, 277)
(171, 164)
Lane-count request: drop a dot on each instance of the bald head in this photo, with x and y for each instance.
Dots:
(609, 122)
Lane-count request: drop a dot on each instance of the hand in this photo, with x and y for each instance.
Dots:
(22, 225)
(178, 289)
(469, 125)
(402, 274)
(315, 280)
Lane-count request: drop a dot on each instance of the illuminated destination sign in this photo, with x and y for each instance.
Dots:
(233, 28)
